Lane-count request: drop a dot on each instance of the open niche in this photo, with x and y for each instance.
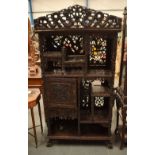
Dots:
(100, 52)
(95, 101)
(76, 53)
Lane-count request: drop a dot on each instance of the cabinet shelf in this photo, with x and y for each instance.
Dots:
(94, 131)
(98, 90)
(67, 134)
(63, 129)
(88, 132)
(87, 137)
(99, 73)
(79, 73)
(101, 119)
(94, 119)
(53, 54)
(74, 61)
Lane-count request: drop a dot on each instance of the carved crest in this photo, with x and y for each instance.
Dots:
(77, 17)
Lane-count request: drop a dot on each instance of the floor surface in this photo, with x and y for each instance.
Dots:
(66, 148)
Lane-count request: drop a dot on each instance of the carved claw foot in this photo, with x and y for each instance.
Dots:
(110, 146)
(49, 143)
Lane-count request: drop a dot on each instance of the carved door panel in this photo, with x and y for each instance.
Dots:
(60, 93)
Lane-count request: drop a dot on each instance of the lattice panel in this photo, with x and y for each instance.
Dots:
(85, 99)
(73, 44)
(54, 43)
(98, 55)
(78, 17)
(99, 101)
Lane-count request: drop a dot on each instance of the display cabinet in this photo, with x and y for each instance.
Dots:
(78, 52)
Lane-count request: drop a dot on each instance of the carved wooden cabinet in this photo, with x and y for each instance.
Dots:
(78, 52)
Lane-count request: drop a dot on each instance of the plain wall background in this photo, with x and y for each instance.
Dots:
(43, 7)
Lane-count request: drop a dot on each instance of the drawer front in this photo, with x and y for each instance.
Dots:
(60, 92)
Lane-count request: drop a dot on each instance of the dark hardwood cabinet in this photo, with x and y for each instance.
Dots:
(78, 52)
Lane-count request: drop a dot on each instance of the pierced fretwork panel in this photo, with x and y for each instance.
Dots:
(73, 44)
(98, 53)
(78, 17)
(60, 92)
(54, 43)
(99, 102)
(85, 95)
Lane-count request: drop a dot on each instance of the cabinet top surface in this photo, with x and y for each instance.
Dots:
(91, 74)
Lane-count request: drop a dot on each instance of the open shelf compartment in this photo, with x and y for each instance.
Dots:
(94, 132)
(63, 129)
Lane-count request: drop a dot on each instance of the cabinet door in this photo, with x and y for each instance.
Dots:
(60, 92)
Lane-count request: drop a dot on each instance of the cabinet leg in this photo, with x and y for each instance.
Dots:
(49, 143)
(110, 145)
(122, 141)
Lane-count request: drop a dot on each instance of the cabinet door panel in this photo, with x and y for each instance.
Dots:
(61, 92)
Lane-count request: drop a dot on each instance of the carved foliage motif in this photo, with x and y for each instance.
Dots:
(98, 53)
(60, 93)
(85, 95)
(63, 113)
(78, 17)
(54, 43)
(99, 101)
(73, 43)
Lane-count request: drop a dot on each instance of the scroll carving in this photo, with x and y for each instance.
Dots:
(64, 113)
(78, 17)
